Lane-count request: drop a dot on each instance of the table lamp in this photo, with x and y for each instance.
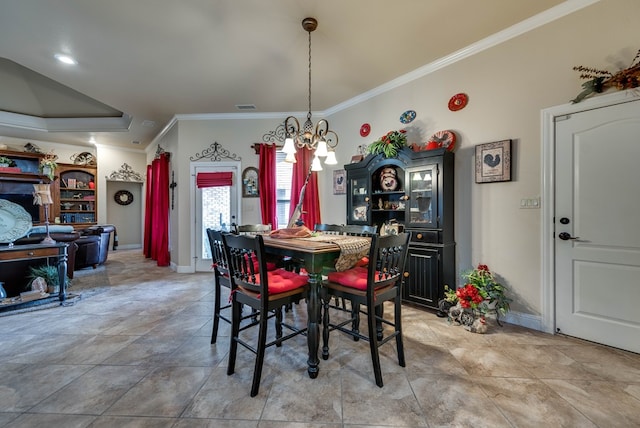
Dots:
(42, 196)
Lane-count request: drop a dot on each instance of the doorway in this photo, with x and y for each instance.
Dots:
(215, 207)
(592, 242)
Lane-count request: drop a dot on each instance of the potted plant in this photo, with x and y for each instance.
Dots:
(5, 161)
(481, 294)
(49, 274)
(48, 165)
(389, 144)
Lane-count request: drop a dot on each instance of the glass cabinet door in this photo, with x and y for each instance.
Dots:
(359, 197)
(422, 206)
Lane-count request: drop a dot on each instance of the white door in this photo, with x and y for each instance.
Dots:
(597, 226)
(215, 207)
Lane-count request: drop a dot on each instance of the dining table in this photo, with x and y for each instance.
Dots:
(316, 253)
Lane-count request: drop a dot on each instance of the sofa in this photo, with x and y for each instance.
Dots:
(93, 245)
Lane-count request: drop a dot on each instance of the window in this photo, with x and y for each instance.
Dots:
(284, 172)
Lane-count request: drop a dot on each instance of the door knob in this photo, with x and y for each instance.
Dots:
(566, 236)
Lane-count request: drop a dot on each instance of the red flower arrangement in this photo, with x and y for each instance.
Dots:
(469, 296)
(480, 291)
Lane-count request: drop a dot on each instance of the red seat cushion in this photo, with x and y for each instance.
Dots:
(355, 277)
(281, 280)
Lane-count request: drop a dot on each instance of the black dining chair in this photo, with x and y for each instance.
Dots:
(252, 229)
(370, 288)
(221, 279)
(267, 292)
(350, 230)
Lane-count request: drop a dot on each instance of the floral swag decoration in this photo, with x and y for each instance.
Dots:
(600, 80)
(469, 304)
(389, 144)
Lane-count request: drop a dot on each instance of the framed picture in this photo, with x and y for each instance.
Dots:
(339, 182)
(493, 162)
(250, 182)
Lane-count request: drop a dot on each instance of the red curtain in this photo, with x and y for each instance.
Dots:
(311, 203)
(267, 184)
(156, 227)
(214, 179)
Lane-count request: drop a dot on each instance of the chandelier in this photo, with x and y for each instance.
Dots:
(319, 138)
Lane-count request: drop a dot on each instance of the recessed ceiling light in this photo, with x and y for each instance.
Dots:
(66, 59)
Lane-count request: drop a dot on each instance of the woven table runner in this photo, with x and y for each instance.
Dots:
(352, 248)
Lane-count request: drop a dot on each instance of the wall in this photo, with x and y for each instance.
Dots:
(508, 86)
(193, 136)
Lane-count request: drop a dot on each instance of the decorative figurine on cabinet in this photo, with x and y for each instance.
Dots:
(388, 179)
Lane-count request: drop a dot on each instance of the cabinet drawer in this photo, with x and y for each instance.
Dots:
(28, 254)
(425, 236)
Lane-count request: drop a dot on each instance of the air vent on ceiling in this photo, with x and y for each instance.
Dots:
(148, 123)
(135, 142)
(245, 107)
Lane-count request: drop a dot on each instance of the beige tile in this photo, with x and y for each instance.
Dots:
(456, 401)
(599, 400)
(93, 392)
(163, 392)
(136, 353)
(531, 403)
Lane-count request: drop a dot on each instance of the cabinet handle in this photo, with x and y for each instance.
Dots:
(419, 236)
(366, 199)
(406, 274)
(30, 253)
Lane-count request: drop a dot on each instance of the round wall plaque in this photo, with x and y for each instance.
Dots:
(123, 197)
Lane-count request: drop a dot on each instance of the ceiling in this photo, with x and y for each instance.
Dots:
(142, 62)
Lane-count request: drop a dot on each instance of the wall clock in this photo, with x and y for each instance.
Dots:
(123, 197)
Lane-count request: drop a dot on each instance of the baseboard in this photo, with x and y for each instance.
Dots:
(524, 320)
(128, 247)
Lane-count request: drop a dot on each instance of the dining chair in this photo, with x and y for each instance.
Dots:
(220, 278)
(252, 229)
(341, 229)
(370, 288)
(349, 229)
(265, 291)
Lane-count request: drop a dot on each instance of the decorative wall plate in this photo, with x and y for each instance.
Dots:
(407, 116)
(365, 129)
(15, 221)
(123, 197)
(458, 102)
(446, 139)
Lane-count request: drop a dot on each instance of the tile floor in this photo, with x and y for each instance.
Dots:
(136, 353)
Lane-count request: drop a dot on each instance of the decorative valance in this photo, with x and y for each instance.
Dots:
(214, 179)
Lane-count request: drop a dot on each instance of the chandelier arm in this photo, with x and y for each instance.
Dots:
(330, 143)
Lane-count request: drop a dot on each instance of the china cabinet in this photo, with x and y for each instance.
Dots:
(415, 191)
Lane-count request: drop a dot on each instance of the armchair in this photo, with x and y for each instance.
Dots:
(93, 245)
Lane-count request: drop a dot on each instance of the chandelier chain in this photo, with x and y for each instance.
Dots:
(309, 114)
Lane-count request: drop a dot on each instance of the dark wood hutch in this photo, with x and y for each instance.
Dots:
(414, 190)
